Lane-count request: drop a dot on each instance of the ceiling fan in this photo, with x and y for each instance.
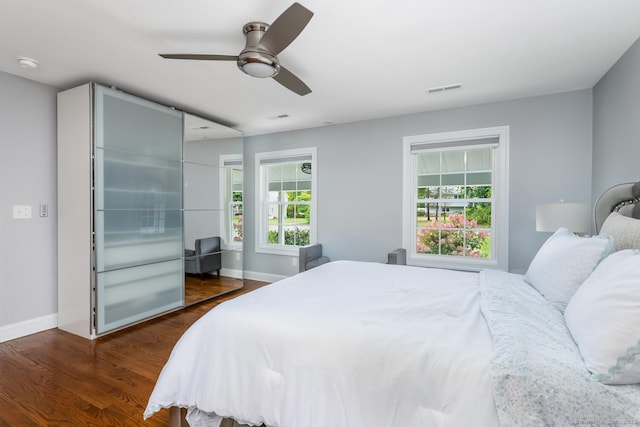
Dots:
(259, 58)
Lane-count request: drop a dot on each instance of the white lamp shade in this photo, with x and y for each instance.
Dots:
(259, 69)
(574, 216)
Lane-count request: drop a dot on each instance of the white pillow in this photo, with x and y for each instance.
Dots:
(564, 262)
(625, 231)
(604, 319)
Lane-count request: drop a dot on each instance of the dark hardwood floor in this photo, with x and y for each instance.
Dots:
(199, 288)
(54, 378)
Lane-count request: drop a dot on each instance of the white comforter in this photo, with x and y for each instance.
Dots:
(347, 344)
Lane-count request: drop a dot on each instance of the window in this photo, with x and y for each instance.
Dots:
(286, 200)
(231, 179)
(455, 207)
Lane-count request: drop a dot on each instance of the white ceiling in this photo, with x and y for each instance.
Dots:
(363, 59)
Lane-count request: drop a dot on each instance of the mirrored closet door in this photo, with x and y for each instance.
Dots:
(212, 202)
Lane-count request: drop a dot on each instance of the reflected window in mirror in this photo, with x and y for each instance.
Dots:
(231, 191)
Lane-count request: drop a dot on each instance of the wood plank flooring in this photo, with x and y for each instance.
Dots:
(197, 289)
(54, 378)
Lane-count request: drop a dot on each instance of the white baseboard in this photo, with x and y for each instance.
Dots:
(263, 277)
(229, 272)
(32, 326)
(28, 327)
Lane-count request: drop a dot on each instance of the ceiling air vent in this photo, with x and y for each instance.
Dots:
(444, 88)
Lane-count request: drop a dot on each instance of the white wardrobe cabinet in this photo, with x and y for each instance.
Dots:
(120, 229)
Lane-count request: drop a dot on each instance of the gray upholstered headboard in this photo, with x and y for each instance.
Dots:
(623, 198)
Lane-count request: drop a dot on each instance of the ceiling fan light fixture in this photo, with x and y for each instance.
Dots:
(258, 69)
(258, 64)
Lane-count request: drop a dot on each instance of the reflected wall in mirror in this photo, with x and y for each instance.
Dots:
(212, 201)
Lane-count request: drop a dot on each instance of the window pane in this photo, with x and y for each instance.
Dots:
(303, 185)
(430, 214)
(289, 172)
(237, 223)
(421, 210)
(290, 210)
(428, 180)
(478, 244)
(452, 161)
(453, 179)
(273, 212)
(428, 163)
(274, 173)
(427, 241)
(479, 159)
(299, 196)
(451, 192)
(452, 242)
(297, 236)
(478, 192)
(275, 186)
(480, 213)
(432, 192)
(422, 193)
(479, 178)
(236, 180)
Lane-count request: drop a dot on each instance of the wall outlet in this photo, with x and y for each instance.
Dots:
(237, 256)
(294, 261)
(21, 211)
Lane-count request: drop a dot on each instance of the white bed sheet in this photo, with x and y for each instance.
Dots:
(347, 344)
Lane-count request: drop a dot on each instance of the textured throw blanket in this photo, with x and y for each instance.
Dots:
(539, 377)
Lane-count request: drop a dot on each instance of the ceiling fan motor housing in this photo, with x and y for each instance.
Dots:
(253, 60)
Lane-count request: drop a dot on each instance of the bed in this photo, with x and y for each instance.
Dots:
(359, 344)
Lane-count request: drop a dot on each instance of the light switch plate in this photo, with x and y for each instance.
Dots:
(21, 211)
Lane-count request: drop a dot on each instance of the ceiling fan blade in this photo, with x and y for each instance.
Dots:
(287, 79)
(204, 57)
(285, 28)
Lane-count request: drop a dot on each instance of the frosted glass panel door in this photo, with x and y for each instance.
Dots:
(138, 208)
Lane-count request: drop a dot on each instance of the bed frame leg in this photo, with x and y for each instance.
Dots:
(177, 417)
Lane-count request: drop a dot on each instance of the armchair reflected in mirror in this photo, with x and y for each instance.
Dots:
(205, 258)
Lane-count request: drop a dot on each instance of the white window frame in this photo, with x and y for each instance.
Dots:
(261, 243)
(226, 200)
(500, 192)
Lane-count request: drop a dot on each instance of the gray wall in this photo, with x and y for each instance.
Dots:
(359, 188)
(360, 174)
(616, 124)
(28, 260)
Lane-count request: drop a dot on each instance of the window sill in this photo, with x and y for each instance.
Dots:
(278, 250)
(464, 263)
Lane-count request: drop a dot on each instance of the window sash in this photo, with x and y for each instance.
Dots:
(231, 179)
(292, 179)
(433, 173)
